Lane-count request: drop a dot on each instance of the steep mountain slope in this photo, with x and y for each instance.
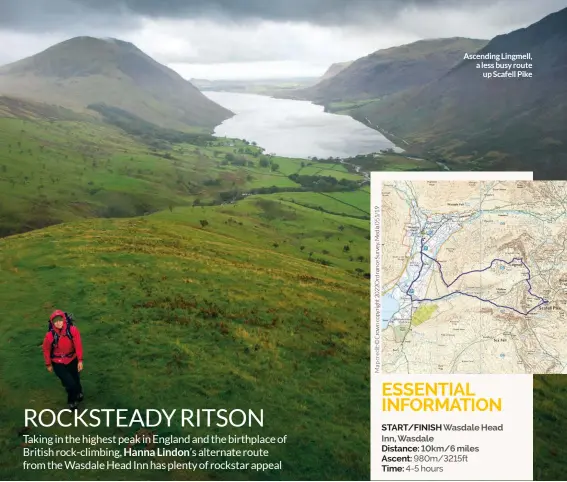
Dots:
(501, 123)
(86, 70)
(392, 70)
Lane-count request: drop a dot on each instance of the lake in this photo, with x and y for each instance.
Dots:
(294, 128)
(390, 307)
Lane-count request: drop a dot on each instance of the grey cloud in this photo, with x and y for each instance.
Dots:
(230, 32)
(62, 15)
(65, 14)
(326, 12)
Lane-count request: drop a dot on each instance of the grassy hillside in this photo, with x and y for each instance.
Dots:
(86, 70)
(66, 169)
(352, 204)
(389, 160)
(550, 424)
(202, 273)
(16, 108)
(175, 315)
(59, 171)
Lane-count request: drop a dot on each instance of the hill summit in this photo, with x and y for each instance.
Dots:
(86, 70)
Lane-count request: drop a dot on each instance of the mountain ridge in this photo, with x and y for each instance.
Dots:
(499, 123)
(391, 70)
(85, 70)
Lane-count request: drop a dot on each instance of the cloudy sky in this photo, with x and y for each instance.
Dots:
(246, 39)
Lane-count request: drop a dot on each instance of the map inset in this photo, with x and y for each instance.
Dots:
(474, 277)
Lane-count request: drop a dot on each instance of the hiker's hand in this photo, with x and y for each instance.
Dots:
(80, 366)
(50, 368)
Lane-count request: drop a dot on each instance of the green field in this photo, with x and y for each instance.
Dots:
(550, 423)
(391, 161)
(261, 179)
(288, 166)
(67, 170)
(344, 107)
(183, 305)
(355, 203)
(174, 315)
(337, 171)
(360, 199)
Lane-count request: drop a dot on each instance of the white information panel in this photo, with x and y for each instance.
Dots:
(451, 390)
(459, 427)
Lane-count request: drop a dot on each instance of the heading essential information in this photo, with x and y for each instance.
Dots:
(151, 417)
(435, 397)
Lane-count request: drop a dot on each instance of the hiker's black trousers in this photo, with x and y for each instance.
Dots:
(69, 376)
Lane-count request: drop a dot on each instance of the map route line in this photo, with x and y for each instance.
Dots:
(542, 301)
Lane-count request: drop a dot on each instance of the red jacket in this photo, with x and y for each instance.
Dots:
(65, 346)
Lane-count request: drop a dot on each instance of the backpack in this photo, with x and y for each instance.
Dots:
(69, 323)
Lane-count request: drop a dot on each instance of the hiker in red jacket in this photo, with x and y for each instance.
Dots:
(63, 353)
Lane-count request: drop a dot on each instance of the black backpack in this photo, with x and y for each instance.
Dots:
(69, 323)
